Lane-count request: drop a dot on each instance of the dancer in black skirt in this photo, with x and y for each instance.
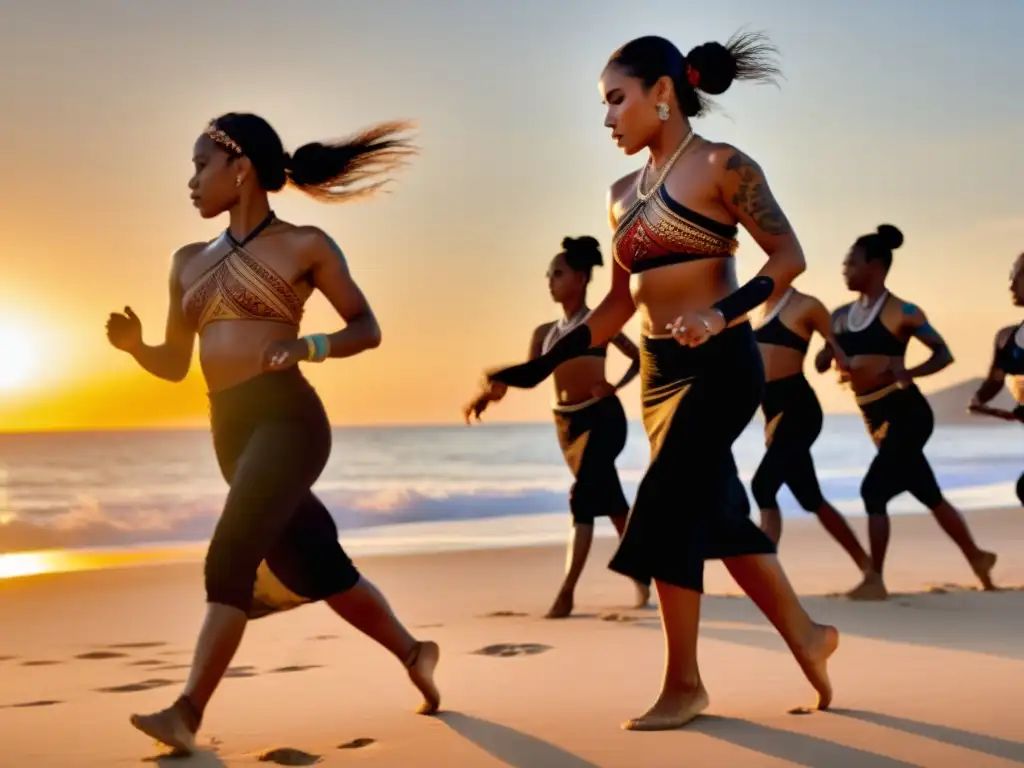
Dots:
(873, 333)
(793, 420)
(702, 379)
(589, 418)
(242, 294)
(1007, 361)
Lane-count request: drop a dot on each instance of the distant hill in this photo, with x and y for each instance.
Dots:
(950, 404)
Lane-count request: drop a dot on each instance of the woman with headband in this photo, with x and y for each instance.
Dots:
(275, 546)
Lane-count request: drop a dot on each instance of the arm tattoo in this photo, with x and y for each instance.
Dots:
(754, 198)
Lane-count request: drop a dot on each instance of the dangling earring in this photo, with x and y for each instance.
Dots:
(238, 181)
(662, 111)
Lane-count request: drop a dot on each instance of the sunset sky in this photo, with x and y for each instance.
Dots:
(901, 111)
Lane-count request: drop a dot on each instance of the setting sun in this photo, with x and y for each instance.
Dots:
(17, 358)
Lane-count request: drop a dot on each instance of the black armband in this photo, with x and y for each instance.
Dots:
(531, 373)
(745, 298)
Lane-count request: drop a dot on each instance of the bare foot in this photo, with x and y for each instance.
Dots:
(871, 588)
(813, 660)
(562, 606)
(169, 727)
(421, 672)
(672, 710)
(982, 567)
(643, 594)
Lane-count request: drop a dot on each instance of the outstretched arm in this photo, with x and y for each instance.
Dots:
(917, 323)
(172, 359)
(603, 324)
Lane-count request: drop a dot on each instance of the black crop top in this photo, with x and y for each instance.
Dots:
(778, 333)
(1010, 356)
(875, 339)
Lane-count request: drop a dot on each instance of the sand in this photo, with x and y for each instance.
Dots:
(934, 677)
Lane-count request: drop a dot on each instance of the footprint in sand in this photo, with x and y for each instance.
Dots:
(799, 711)
(296, 668)
(323, 637)
(357, 743)
(39, 663)
(175, 652)
(96, 655)
(8, 658)
(144, 685)
(288, 756)
(618, 617)
(145, 663)
(39, 703)
(506, 650)
(428, 626)
(129, 646)
(171, 667)
(503, 614)
(240, 672)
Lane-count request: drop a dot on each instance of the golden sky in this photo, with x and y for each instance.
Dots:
(99, 123)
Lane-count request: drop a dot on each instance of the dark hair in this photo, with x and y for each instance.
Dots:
(323, 170)
(582, 254)
(707, 69)
(879, 245)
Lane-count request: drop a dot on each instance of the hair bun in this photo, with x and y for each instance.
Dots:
(583, 251)
(890, 236)
(715, 66)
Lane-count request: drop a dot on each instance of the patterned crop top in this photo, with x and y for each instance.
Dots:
(241, 287)
(658, 231)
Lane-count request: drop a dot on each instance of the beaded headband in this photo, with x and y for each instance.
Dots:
(223, 139)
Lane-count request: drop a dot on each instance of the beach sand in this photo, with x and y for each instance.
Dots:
(934, 677)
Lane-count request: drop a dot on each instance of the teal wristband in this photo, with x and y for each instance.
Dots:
(323, 346)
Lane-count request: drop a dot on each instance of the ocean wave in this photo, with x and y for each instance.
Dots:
(120, 521)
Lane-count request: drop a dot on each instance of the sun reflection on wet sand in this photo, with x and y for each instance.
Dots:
(21, 564)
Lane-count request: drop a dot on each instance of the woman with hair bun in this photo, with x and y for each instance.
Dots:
(589, 418)
(675, 223)
(275, 546)
(873, 333)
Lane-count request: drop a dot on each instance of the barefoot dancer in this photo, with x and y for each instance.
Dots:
(1007, 360)
(275, 546)
(793, 420)
(589, 418)
(675, 228)
(873, 333)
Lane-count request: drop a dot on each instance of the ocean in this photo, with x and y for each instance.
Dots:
(407, 489)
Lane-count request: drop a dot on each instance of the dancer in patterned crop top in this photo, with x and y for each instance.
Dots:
(275, 545)
(675, 224)
(873, 333)
(1007, 361)
(589, 418)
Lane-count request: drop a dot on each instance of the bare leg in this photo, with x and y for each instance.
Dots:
(840, 530)
(366, 609)
(683, 696)
(218, 642)
(643, 591)
(764, 581)
(955, 526)
(771, 524)
(575, 558)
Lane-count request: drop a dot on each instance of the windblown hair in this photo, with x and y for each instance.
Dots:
(327, 171)
(709, 68)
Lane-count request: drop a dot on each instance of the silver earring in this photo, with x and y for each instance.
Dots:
(238, 181)
(662, 111)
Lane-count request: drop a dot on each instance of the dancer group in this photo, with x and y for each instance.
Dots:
(704, 372)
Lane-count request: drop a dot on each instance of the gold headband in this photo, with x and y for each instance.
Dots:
(223, 139)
